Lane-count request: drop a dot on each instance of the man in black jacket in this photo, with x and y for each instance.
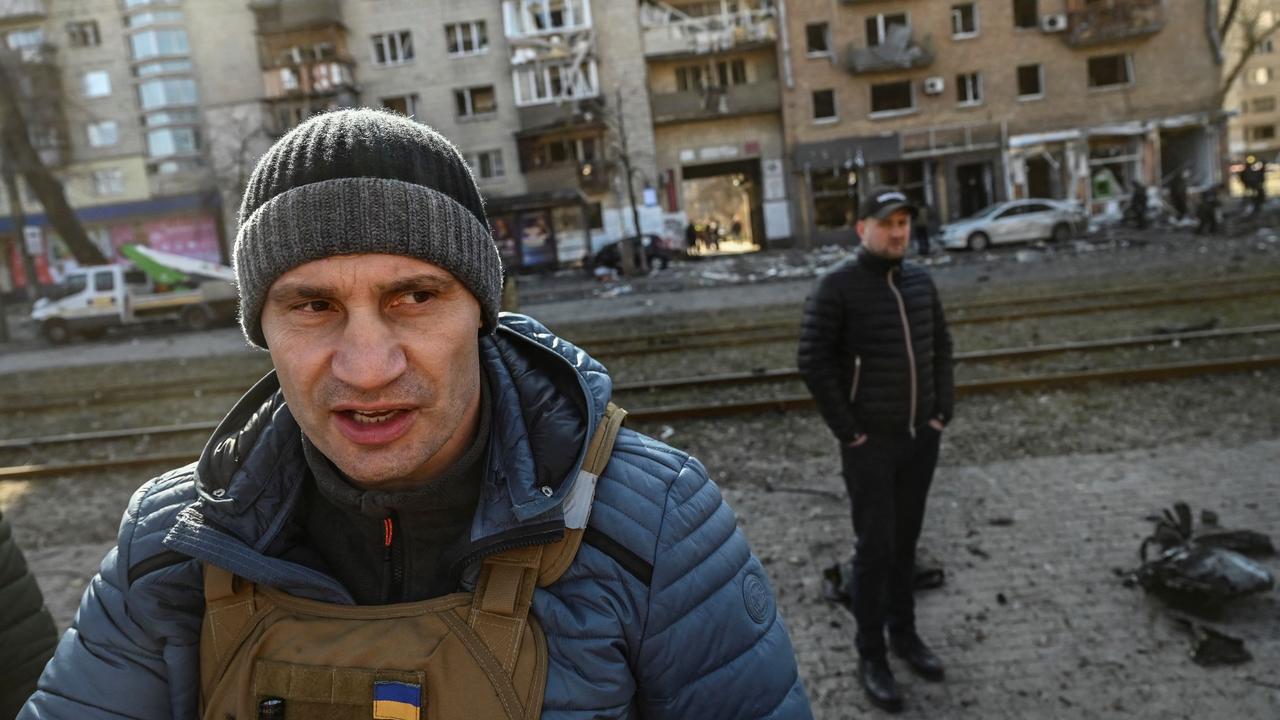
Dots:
(27, 634)
(876, 354)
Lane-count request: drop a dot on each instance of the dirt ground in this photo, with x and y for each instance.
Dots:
(1032, 621)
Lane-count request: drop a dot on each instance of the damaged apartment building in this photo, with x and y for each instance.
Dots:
(963, 104)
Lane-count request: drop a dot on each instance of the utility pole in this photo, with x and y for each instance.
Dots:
(626, 244)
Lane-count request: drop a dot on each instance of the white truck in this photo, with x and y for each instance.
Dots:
(162, 286)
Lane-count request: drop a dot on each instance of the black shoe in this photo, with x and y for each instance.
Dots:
(912, 649)
(877, 680)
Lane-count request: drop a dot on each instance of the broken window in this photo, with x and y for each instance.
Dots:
(835, 197)
(824, 105)
(475, 101)
(393, 48)
(964, 20)
(817, 38)
(689, 78)
(468, 38)
(892, 97)
(537, 83)
(1110, 70)
(83, 34)
(969, 88)
(1030, 81)
(878, 26)
(1026, 14)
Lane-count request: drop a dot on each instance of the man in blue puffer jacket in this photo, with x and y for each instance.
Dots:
(406, 434)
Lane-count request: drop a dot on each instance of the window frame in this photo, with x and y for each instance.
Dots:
(108, 182)
(1039, 95)
(977, 96)
(83, 33)
(477, 161)
(977, 21)
(882, 27)
(825, 28)
(834, 117)
(895, 112)
(468, 93)
(101, 125)
(479, 36)
(1034, 25)
(84, 87)
(1130, 75)
(399, 40)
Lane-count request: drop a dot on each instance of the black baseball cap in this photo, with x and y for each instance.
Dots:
(884, 201)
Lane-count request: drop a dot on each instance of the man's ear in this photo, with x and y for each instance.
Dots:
(860, 227)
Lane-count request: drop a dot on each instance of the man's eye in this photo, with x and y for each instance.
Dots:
(315, 306)
(417, 297)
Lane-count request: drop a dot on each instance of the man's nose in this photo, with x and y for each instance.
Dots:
(369, 354)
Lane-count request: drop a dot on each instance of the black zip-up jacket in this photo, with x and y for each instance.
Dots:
(874, 348)
(27, 634)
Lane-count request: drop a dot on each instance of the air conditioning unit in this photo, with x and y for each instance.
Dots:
(1054, 23)
(934, 85)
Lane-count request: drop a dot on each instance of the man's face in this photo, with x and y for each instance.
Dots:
(378, 359)
(889, 237)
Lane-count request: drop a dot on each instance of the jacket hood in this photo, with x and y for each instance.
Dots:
(547, 397)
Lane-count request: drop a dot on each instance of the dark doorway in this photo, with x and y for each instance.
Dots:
(1039, 178)
(974, 181)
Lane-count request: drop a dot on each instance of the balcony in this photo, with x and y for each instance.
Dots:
(308, 80)
(899, 51)
(1100, 23)
(667, 34)
(16, 11)
(275, 16)
(718, 102)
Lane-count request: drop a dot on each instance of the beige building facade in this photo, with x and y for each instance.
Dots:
(963, 104)
(1254, 97)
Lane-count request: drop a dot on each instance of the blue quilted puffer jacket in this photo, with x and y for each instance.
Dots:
(665, 613)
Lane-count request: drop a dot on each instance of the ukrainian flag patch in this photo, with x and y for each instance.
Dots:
(396, 700)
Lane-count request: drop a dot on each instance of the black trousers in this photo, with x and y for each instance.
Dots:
(888, 479)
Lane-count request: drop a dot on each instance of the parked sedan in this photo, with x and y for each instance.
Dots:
(1015, 221)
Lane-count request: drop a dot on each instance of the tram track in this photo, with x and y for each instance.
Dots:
(664, 413)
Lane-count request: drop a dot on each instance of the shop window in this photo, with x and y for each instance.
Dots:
(83, 34)
(964, 20)
(1026, 14)
(824, 106)
(468, 38)
(969, 88)
(1110, 71)
(1030, 81)
(894, 97)
(393, 48)
(835, 199)
(817, 38)
(879, 26)
(475, 101)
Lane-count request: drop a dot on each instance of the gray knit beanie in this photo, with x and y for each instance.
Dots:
(362, 181)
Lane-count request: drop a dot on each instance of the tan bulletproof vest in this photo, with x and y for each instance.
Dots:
(465, 655)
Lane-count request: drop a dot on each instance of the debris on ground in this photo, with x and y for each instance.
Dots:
(837, 577)
(1198, 576)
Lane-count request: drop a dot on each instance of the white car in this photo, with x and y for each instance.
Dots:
(1015, 221)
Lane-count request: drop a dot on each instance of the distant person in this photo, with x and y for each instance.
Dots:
(423, 499)
(875, 353)
(735, 230)
(922, 230)
(1208, 210)
(690, 237)
(1259, 178)
(1138, 205)
(1178, 193)
(27, 633)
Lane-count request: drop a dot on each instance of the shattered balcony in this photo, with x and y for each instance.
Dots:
(319, 78)
(668, 32)
(716, 102)
(899, 51)
(1099, 23)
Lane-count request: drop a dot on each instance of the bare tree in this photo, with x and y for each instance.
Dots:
(25, 160)
(239, 136)
(1246, 25)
